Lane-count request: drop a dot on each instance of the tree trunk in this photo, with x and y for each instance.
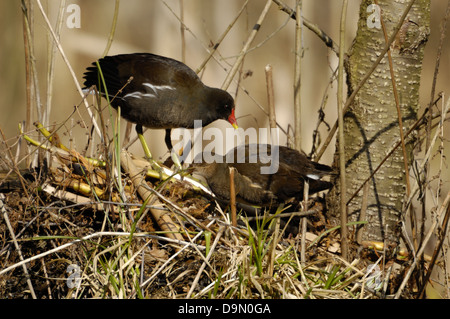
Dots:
(371, 123)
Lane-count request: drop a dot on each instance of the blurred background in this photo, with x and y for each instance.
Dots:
(154, 26)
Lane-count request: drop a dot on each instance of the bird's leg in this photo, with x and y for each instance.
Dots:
(173, 154)
(147, 152)
(168, 139)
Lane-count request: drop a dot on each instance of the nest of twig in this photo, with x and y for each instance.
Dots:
(83, 228)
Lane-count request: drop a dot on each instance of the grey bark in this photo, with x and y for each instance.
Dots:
(371, 125)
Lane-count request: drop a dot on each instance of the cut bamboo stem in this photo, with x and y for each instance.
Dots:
(162, 218)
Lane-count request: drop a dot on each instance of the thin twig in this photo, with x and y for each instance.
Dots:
(397, 104)
(445, 206)
(340, 103)
(163, 220)
(304, 223)
(182, 28)
(15, 166)
(51, 64)
(436, 252)
(162, 267)
(31, 71)
(13, 237)
(202, 267)
(28, 84)
(282, 215)
(430, 105)
(313, 27)
(427, 156)
(89, 237)
(219, 41)
(270, 97)
(388, 155)
(113, 28)
(362, 215)
(66, 61)
(233, 197)
(297, 76)
(244, 50)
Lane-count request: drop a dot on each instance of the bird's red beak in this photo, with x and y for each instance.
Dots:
(232, 119)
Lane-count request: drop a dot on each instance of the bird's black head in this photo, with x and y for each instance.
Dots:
(221, 103)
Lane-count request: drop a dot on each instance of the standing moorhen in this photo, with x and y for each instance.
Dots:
(158, 92)
(254, 188)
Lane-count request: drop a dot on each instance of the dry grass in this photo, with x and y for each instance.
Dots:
(71, 218)
(81, 227)
(93, 221)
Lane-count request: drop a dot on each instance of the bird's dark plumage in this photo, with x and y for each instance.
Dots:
(253, 187)
(159, 92)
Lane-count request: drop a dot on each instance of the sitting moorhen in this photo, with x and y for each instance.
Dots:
(158, 92)
(254, 188)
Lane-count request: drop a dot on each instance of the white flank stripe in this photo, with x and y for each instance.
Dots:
(138, 95)
(153, 94)
(156, 88)
(312, 176)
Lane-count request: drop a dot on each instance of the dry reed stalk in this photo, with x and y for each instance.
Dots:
(221, 38)
(32, 83)
(168, 261)
(426, 177)
(162, 218)
(362, 215)
(16, 245)
(340, 103)
(233, 198)
(182, 28)
(444, 207)
(270, 97)
(66, 61)
(304, 224)
(28, 84)
(244, 50)
(297, 76)
(202, 267)
(429, 151)
(438, 248)
(14, 164)
(113, 28)
(311, 26)
(51, 64)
